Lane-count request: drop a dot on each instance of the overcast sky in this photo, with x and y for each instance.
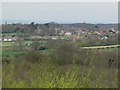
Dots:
(89, 12)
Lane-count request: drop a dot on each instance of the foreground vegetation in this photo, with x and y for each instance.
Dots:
(65, 66)
(47, 75)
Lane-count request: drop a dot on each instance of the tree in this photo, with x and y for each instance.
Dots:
(64, 54)
(32, 23)
(35, 45)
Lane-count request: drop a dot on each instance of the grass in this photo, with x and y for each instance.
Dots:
(7, 43)
(11, 53)
(20, 53)
(25, 42)
(110, 50)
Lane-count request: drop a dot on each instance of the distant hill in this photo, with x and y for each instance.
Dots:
(108, 26)
(84, 26)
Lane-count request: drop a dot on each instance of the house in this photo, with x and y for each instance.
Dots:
(62, 32)
(96, 33)
(54, 37)
(5, 40)
(104, 38)
(9, 39)
(112, 30)
(68, 33)
(0, 39)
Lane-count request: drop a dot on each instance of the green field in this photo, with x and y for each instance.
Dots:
(24, 43)
(109, 49)
(17, 53)
(7, 43)
(12, 53)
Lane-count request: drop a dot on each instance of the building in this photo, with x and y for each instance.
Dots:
(68, 33)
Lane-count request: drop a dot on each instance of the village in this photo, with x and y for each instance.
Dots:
(72, 34)
(78, 35)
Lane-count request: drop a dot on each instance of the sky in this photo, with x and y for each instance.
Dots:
(60, 12)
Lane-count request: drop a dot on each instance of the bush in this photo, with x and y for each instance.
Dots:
(33, 56)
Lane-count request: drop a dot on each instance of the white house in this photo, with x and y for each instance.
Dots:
(104, 38)
(9, 40)
(68, 33)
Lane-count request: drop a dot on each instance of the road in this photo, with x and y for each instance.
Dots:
(101, 47)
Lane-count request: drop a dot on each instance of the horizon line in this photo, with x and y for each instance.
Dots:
(43, 22)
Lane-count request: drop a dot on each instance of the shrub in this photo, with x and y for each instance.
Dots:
(63, 54)
(32, 56)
